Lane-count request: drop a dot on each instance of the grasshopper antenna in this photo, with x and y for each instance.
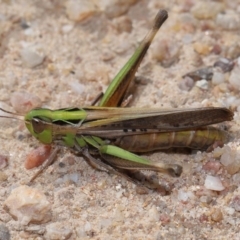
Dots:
(16, 116)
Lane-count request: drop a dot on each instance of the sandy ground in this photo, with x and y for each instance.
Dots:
(77, 60)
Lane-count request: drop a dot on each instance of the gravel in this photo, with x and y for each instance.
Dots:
(57, 54)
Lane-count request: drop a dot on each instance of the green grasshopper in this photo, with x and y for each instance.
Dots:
(107, 134)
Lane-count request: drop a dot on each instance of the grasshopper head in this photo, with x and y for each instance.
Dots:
(39, 124)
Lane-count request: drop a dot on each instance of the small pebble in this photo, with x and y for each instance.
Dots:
(123, 47)
(35, 229)
(218, 77)
(73, 177)
(105, 222)
(213, 183)
(186, 84)
(77, 87)
(232, 102)
(203, 218)
(107, 55)
(87, 227)
(233, 51)
(202, 73)
(23, 102)
(79, 10)
(166, 51)
(153, 214)
(236, 178)
(58, 230)
(225, 64)
(24, 24)
(229, 210)
(220, 88)
(217, 152)
(61, 165)
(228, 156)
(206, 199)
(3, 161)
(203, 84)
(184, 196)
(4, 232)
(231, 160)
(31, 58)
(187, 39)
(123, 24)
(164, 218)
(3, 176)
(229, 20)
(234, 78)
(234, 167)
(212, 166)
(115, 8)
(217, 215)
(188, 23)
(70, 160)
(141, 190)
(67, 28)
(235, 203)
(216, 49)
(81, 234)
(206, 10)
(9, 80)
(202, 48)
(28, 205)
(37, 156)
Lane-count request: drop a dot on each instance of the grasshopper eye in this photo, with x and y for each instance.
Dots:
(37, 125)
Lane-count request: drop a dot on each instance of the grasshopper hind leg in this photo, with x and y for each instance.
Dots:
(137, 176)
(134, 176)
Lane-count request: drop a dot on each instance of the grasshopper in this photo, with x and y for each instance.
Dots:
(107, 135)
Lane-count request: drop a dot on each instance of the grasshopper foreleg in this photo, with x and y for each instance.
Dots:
(47, 163)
